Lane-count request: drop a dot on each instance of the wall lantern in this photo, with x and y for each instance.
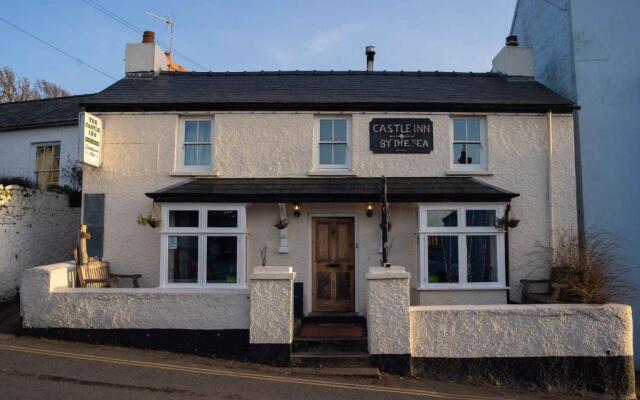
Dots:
(370, 210)
(296, 209)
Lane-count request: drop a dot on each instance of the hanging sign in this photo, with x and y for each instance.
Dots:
(401, 135)
(91, 133)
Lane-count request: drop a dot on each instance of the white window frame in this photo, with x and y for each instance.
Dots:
(180, 145)
(35, 146)
(461, 231)
(316, 144)
(202, 232)
(483, 165)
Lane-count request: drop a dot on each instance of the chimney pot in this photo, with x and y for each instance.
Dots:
(149, 37)
(512, 40)
(370, 51)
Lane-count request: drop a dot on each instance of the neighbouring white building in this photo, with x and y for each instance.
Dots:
(39, 137)
(244, 199)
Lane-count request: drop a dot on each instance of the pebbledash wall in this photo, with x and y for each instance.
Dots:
(140, 151)
(36, 227)
(559, 347)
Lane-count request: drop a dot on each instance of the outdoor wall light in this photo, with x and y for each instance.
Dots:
(296, 209)
(370, 210)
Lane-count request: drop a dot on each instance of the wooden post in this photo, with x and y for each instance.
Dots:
(84, 236)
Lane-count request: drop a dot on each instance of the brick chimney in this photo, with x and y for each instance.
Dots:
(513, 59)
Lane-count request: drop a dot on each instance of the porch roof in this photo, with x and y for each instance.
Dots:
(331, 189)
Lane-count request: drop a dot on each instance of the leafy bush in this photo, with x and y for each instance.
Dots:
(17, 180)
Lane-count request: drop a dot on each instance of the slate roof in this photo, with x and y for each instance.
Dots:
(331, 189)
(58, 111)
(328, 90)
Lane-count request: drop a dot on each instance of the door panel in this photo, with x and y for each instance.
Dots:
(333, 264)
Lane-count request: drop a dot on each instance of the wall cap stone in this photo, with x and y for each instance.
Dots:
(273, 273)
(393, 272)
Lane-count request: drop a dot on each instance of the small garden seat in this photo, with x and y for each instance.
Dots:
(96, 274)
(556, 290)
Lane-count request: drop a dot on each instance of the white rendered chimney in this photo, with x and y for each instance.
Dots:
(513, 59)
(145, 57)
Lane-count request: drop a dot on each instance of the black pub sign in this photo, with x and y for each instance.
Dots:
(401, 135)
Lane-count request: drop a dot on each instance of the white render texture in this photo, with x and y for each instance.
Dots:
(388, 310)
(144, 57)
(140, 152)
(521, 331)
(514, 60)
(36, 228)
(272, 305)
(47, 300)
(457, 297)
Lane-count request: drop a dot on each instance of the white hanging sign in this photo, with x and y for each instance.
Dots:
(91, 129)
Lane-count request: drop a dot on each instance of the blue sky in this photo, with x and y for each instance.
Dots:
(425, 35)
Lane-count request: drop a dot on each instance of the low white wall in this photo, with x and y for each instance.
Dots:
(36, 228)
(272, 305)
(521, 331)
(47, 300)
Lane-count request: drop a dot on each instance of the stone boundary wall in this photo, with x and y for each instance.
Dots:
(36, 228)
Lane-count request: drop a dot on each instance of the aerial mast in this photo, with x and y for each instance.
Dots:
(170, 23)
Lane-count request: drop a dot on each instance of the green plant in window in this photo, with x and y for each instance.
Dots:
(231, 279)
(434, 279)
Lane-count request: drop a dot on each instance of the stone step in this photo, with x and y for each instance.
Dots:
(354, 372)
(330, 359)
(333, 344)
(334, 318)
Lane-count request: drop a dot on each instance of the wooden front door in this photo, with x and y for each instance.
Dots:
(333, 264)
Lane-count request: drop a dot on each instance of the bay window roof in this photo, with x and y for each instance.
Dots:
(332, 189)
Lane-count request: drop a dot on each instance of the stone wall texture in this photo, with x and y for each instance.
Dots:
(36, 228)
(47, 300)
(140, 152)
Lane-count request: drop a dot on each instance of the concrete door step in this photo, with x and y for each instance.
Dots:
(332, 344)
(356, 372)
(330, 359)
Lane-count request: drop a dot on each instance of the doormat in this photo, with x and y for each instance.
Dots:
(331, 330)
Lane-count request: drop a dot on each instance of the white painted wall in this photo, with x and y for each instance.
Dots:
(550, 330)
(18, 154)
(139, 157)
(36, 228)
(47, 300)
(272, 305)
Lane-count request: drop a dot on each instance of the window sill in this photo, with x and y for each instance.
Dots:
(194, 173)
(467, 288)
(331, 172)
(468, 173)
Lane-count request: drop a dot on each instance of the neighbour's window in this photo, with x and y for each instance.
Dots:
(203, 246)
(47, 170)
(469, 150)
(460, 246)
(196, 144)
(333, 143)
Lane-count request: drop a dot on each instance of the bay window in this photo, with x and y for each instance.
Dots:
(461, 247)
(203, 245)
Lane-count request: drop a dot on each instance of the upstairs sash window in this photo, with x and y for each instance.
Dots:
(468, 146)
(334, 137)
(196, 144)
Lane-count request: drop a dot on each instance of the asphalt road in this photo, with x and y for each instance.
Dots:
(40, 369)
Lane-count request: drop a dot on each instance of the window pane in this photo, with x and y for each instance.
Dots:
(459, 153)
(204, 131)
(326, 130)
(473, 130)
(183, 219)
(222, 255)
(459, 129)
(191, 131)
(204, 154)
(325, 157)
(40, 158)
(473, 153)
(222, 219)
(190, 154)
(340, 130)
(55, 163)
(482, 265)
(442, 259)
(442, 218)
(481, 218)
(340, 154)
(183, 259)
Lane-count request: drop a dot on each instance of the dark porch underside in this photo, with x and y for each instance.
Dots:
(332, 189)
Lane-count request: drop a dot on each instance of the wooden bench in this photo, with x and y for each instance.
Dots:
(556, 286)
(96, 274)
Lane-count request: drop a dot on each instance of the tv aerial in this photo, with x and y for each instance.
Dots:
(170, 23)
